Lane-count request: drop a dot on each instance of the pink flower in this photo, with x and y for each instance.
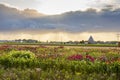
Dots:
(75, 57)
(90, 58)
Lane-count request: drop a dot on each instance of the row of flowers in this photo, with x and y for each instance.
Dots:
(81, 57)
(87, 57)
(109, 55)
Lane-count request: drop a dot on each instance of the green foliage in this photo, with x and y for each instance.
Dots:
(20, 55)
(52, 63)
(17, 59)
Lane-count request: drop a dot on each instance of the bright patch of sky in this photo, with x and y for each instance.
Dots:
(60, 6)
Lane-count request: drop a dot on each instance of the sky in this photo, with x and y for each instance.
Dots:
(52, 7)
(56, 20)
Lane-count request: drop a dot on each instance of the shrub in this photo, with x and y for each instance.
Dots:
(18, 59)
(20, 55)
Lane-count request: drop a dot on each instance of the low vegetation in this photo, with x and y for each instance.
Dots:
(58, 63)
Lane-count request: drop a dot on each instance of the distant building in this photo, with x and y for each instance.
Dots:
(91, 40)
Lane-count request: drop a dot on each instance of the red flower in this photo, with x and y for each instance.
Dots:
(75, 57)
(90, 58)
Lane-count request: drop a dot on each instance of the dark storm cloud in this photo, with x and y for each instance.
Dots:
(12, 20)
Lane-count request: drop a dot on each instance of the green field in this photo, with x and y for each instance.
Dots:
(58, 63)
(62, 44)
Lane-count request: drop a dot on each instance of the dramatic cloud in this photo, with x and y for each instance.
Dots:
(28, 20)
(22, 4)
(99, 4)
(77, 25)
(60, 6)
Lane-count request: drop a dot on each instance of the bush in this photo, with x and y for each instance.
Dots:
(18, 59)
(21, 54)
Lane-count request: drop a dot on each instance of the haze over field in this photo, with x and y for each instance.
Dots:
(46, 20)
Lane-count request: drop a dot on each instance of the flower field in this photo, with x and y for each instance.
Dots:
(58, 63)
